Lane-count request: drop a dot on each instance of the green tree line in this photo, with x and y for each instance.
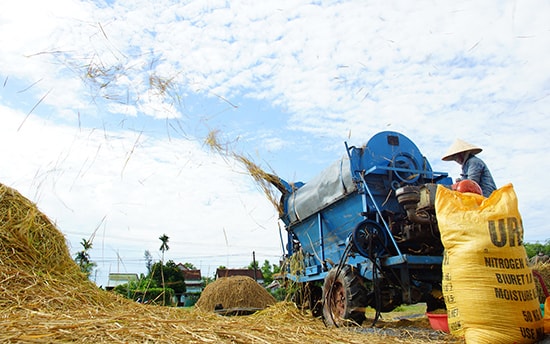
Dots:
(533, 249)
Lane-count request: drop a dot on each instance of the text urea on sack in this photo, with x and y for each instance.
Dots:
(506, 231)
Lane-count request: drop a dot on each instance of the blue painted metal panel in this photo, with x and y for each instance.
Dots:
(322, 216)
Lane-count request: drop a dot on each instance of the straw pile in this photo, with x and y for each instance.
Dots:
(544, 270)
(36, 269)
(44, 298)
(235, 292)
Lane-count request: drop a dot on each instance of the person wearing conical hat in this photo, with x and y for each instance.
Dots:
(473, 168)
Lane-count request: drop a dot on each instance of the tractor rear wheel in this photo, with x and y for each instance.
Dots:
(344, 298)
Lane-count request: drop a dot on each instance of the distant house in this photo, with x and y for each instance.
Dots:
(254, 274)
(116, 279)
(193, 285)
(274, 285)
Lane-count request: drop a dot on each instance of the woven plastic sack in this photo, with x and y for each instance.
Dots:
(488, 287)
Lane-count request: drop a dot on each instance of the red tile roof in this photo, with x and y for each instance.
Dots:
(239, 272)
(189, 274)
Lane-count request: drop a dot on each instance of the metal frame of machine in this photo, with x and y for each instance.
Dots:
(365, 228)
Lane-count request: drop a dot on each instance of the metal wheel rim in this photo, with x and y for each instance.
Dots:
(337, 299)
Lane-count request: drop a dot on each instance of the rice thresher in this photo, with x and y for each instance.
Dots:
(363, 232)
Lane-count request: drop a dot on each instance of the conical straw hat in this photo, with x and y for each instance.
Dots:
(460, 146)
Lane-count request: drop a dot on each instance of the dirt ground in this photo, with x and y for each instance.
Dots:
(407, 322)
(412, 322)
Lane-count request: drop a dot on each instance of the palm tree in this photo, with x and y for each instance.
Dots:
(86, 244)
(83, 257)
(164, 247)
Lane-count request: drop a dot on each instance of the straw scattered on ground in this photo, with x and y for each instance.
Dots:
(44, 298)
(544, 270)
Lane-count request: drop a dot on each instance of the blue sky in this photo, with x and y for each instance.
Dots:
(106, 105)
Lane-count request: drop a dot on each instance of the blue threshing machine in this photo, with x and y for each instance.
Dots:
(363, 232)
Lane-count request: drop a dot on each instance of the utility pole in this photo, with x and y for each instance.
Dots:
(254, 264)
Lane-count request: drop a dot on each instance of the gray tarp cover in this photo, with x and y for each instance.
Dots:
(330, 185)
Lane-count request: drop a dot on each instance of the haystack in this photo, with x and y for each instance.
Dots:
(36, 268)
(234, 293)
(29, 240)
(544, 271)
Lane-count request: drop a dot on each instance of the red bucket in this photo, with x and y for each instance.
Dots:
(439, 321)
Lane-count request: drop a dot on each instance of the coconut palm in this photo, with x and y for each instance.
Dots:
(164, 247)
(83, 257)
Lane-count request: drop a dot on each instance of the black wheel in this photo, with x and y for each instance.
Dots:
(344, 298)
(408, 162)
(370, 239)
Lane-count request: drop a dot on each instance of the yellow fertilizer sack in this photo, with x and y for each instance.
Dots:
(489, 290)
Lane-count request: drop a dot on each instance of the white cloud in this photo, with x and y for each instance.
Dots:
(140, 187)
